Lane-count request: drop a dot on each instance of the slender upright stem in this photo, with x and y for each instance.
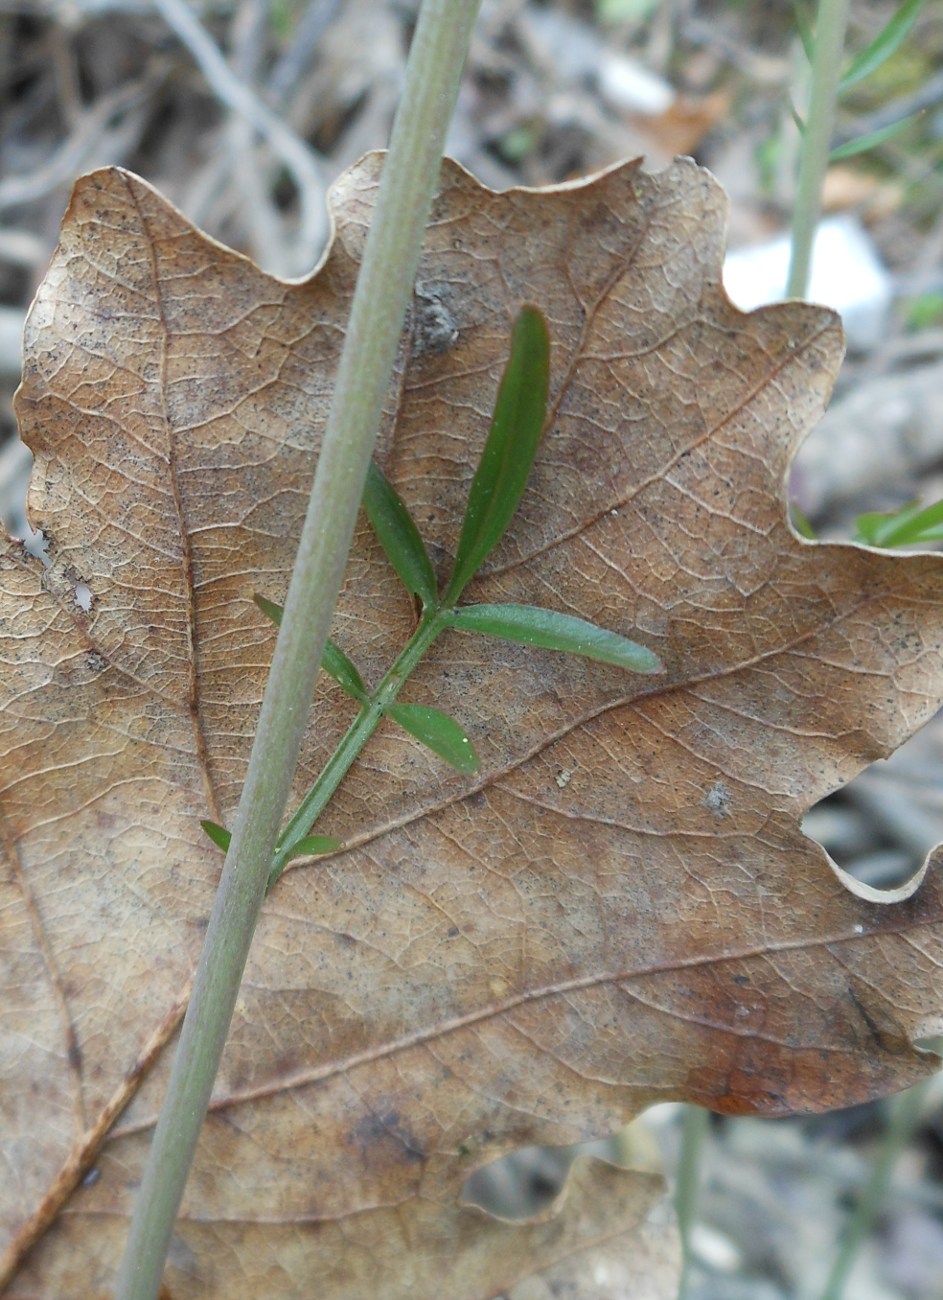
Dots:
(903, 1115)
(830, 26)
(695, 1126)
(391, 254)
(354, 739)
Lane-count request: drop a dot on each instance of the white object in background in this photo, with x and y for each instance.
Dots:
(847, 275)
(628, 85)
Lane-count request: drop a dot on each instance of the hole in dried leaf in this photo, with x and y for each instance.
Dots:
(881, 826)
(525, 1183)
(16, 463)
(521, 1184)
(37, 546)
(83, 596)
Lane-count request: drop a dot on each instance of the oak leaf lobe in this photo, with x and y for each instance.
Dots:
(490, 963)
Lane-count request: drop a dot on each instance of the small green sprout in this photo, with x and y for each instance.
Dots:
(499, 482)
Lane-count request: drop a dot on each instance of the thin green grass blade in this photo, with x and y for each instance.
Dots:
(530, 625)
(506, 462)
(887, 42)
(908, 526)
(399, 536)
(873, 138)
(218, 834)
(877, 525)
(439, 732)
(334, 662)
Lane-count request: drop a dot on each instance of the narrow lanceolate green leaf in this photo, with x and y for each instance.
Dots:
(305, 847)
(908, 526)
(510, 448)
(887, 42)
(804, 28)
(531, 625)
(312, 845)
(218, 834)
(334, 662)
(399, 536)
(873, 138)
(441, 733)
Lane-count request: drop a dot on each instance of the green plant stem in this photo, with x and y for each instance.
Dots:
(391, 254)
(830, 27)
(695, 1125)
(356, 736)
(904, 1112)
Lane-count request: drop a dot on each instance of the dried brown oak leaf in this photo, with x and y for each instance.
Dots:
(620, 909)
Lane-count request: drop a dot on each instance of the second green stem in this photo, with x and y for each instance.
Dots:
(830, 26)
(358, 733)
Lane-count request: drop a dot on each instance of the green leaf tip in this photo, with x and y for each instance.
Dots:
(334, 662)
(801, 522)
(307, 846)
(887, 42)
(313, 846)
(804, 28)
(439, 732)
(218, 834)
(399, 536)
(874, 138)
(508, 457)
(269, 609)
(531, 625)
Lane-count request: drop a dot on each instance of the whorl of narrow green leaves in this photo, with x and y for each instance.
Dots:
(334, 662)
(887, 42)
(531, 625)
(439, 732)
(496, 491)
(506, 462)
(399, 536)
